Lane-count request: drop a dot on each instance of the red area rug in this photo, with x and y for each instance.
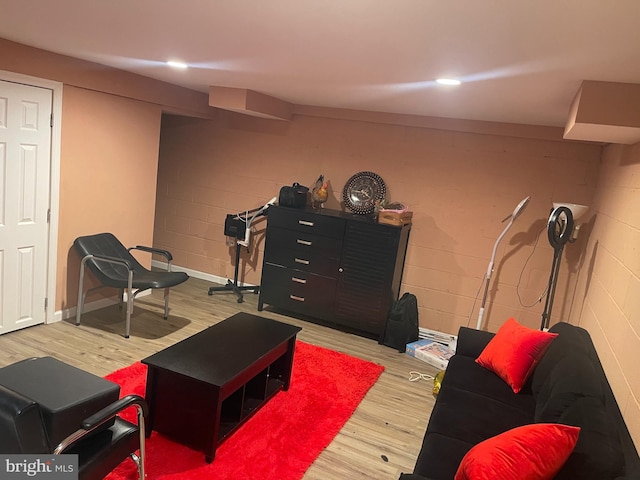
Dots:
(282, 439)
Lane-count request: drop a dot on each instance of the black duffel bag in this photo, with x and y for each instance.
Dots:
(402, 324)
(294, 196)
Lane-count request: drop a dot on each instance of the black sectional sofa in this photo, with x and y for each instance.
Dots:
(568, 386)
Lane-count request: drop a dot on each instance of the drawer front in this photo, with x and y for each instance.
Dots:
(309, 253)
(304, 242)
(297, 291)
(305, 221)
(305, 262)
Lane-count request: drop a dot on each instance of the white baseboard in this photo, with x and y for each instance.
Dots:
(91, 306)
(197, 274)
(107, 302)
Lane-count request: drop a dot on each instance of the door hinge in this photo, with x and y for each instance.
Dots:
(51, 121)
(46, 303)
(49, 215)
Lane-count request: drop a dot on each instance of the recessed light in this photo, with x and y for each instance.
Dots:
(448, 81)
(175, 64)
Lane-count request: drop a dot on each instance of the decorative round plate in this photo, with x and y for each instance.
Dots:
(361, 192)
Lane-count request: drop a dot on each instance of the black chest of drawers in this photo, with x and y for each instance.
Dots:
(332, 267)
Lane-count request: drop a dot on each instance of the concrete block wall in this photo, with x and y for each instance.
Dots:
(608, 290)
(459, 185)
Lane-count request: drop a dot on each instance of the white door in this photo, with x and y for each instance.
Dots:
(25, 153)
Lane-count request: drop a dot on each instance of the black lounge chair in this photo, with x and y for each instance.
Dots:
(50, 407)
(114, 266)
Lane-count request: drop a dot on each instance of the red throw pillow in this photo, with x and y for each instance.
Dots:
(531, 452)
(514, 351)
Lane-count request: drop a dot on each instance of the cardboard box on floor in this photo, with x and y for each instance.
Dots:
(434, 353)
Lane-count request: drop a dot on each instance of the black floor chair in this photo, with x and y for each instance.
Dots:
(48, 407)
(114, 266)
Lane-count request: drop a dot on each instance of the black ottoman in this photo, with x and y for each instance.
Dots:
(66, 395)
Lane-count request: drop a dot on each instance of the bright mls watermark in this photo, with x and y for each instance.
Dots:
(50, 467)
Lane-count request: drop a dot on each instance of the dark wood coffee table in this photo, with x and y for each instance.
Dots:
(203, 388)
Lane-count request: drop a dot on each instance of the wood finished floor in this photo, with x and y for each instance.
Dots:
(382, 438)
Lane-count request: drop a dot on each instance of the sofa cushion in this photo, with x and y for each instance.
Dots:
(598, 453)
(471, 342)
(472, 417)
(413, 476)
(530, 452)
(514, 352)
(463, 373)
(440, 456)
(570, 342)
(571, 378)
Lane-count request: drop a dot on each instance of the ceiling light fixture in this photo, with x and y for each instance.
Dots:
(448, 81)
(175, 64)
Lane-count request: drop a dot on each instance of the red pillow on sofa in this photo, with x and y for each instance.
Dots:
(514, 351)
(530, 452)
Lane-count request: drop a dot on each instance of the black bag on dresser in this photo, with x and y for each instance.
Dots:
(402, 324)
(294, 196)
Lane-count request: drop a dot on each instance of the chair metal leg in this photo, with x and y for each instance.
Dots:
(127, 322)
(139, 460)
(81, 294)
(120, 298)
(166, 294)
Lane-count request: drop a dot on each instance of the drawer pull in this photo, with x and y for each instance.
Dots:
(302, 261)
(305, 223)
(304, 242)
(298, 280)
(294, 297)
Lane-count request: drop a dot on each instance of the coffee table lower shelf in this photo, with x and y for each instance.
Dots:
(240, 406)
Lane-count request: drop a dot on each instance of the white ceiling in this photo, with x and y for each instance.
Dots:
(522, 60)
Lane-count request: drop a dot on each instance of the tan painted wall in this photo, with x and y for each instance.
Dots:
(610, 280)
(459, 186)
(107, 176)
(109, 149)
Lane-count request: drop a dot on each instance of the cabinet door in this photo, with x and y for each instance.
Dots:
(367, 285)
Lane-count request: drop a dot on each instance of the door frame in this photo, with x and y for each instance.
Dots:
(51, 315)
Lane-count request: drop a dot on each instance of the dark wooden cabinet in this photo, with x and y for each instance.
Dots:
(332, 267)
